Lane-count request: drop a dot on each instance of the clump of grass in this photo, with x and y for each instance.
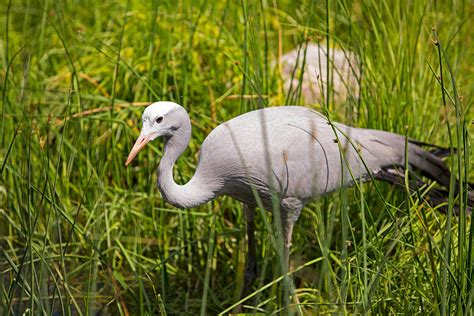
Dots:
(81, 234)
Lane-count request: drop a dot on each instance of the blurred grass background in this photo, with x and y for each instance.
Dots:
(81, 234)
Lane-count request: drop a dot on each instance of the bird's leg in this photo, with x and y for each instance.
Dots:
(288, 218)
(251, 262)
(287, 230)
(290, 212)
(287, 234)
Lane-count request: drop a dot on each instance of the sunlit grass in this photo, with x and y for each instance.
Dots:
(80, 233)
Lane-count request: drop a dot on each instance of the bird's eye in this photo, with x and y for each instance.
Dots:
(159, 119)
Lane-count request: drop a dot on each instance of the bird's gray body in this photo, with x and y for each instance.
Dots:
(292, 152)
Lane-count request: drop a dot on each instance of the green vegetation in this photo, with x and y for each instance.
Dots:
(82, 234)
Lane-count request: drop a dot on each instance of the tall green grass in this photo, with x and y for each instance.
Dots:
(81, 234)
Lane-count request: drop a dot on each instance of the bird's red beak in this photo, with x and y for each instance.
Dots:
(139, 144)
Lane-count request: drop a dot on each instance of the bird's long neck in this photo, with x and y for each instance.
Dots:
(197, 191)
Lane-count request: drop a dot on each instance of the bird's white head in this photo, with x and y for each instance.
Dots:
(159, 119)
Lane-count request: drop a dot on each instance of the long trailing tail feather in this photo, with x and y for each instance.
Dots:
(434, 156)
(391, 152)
(437, 196)
(436, 150)
(431, 166)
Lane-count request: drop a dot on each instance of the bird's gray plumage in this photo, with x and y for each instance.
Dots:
(314, 61)
(290, 151)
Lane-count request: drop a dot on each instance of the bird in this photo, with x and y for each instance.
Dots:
(314, 62)
(280, 157)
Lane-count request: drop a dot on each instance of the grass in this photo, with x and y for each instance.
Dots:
(81, 234)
